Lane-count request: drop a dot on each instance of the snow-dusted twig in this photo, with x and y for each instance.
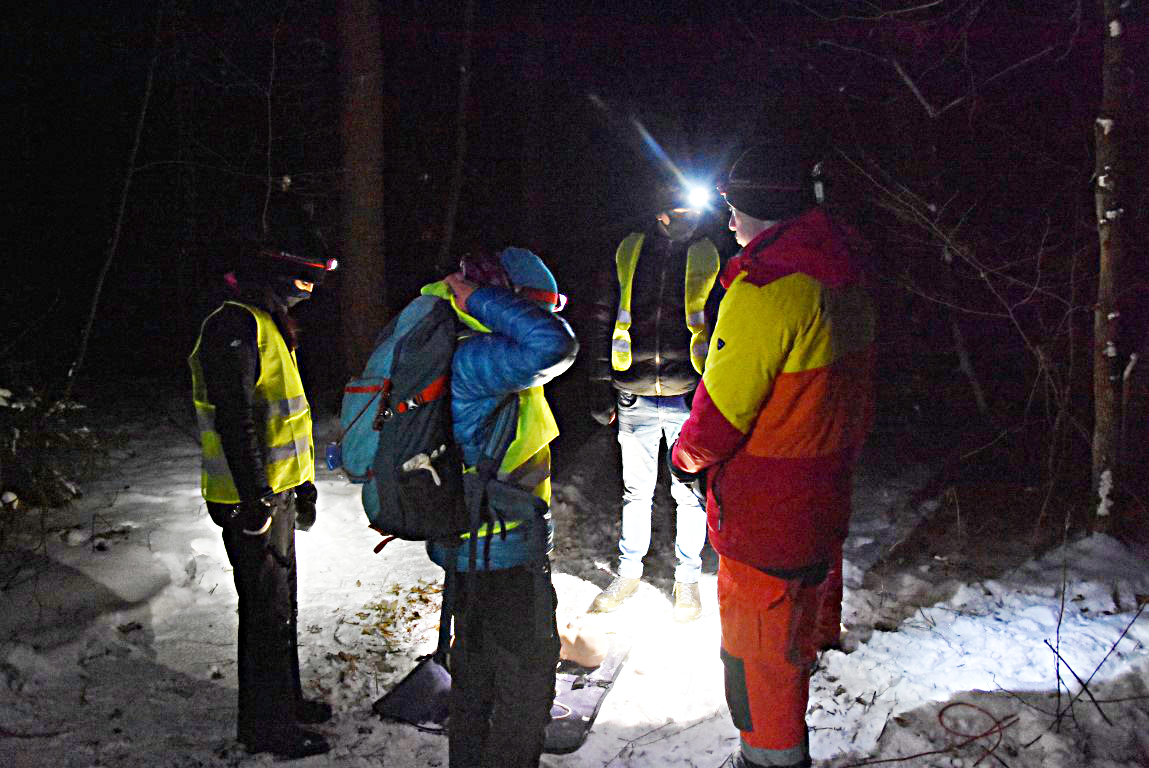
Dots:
(1084, 685)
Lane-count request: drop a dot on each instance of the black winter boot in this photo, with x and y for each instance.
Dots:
(311, 711)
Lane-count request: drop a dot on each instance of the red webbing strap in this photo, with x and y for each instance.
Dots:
(430, 393)
(363, 390)
(386, 540)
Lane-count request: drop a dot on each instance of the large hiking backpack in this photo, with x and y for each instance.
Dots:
(396, 427)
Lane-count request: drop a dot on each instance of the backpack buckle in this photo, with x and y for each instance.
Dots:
(385, 414)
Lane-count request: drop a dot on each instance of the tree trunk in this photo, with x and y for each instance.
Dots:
(460, 135)
(533, 165)
(1107, 359)
(362, 282)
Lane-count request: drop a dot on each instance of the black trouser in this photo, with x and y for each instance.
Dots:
(264, 570)
(502, 667)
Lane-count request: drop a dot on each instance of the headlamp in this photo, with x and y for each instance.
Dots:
(697, 197)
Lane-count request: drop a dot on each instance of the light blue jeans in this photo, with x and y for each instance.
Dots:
(641, 427)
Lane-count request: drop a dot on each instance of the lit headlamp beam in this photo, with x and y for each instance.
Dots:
(697, 196)
(658, 151)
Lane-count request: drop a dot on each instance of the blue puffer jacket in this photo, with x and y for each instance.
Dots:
(527, 347)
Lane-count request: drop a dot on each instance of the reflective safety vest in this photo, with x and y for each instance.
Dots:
(281, 406)
(701, 270)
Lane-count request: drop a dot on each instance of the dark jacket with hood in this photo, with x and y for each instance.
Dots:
(660, 340)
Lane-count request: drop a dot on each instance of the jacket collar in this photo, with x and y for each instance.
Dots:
(812, 244)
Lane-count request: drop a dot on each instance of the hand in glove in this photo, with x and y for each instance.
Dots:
(696, 481)
(251, 517)
(306, 495)
(603, 403)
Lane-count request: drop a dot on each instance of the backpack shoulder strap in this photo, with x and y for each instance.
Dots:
(500, 427)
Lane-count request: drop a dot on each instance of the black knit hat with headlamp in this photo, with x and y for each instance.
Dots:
(769, 181)
(289, 248)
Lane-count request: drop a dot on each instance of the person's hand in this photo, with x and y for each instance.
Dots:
(696, 481)
(305, 497)
(603, 403)
(679, 474)
(251, 517)
(461, 288)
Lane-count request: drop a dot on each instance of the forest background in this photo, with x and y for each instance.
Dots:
(992, 153)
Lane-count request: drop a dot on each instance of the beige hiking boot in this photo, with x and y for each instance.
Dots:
(687, 602)
(611, 598)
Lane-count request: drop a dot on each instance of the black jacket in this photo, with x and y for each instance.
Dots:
(229, 357)
(660, 340)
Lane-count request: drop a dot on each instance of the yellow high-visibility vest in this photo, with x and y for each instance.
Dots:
(280, 400)
(701, 271)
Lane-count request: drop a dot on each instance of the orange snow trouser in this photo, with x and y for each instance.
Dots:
(829, 625)
(768, 631)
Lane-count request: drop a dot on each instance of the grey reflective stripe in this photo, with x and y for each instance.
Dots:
(620, 345)
(206, 419)
(299, 447)
(776, 757)
(217, 465)
(287, 407)
(284, 409)
(696, 318)
(623, 316)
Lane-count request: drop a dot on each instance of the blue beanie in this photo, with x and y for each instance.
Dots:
(527, 270)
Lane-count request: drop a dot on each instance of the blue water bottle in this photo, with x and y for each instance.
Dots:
(334, 456)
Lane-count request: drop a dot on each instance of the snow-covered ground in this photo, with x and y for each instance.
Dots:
(117, 638)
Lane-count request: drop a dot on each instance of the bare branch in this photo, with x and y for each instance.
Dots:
(914, 88)
(267, 94)
(113, 244)
(1028, 60)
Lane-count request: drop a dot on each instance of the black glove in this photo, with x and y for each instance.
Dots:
(696, 481)
(306, 495)
(603, 403)
(251, 517)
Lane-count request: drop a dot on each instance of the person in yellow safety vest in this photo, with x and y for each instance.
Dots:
(258, 467)
(648, 349)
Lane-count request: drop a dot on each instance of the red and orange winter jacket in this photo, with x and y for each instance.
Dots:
(786, 401)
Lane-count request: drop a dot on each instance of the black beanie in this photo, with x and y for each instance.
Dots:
(770, 182)
(289, 247)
